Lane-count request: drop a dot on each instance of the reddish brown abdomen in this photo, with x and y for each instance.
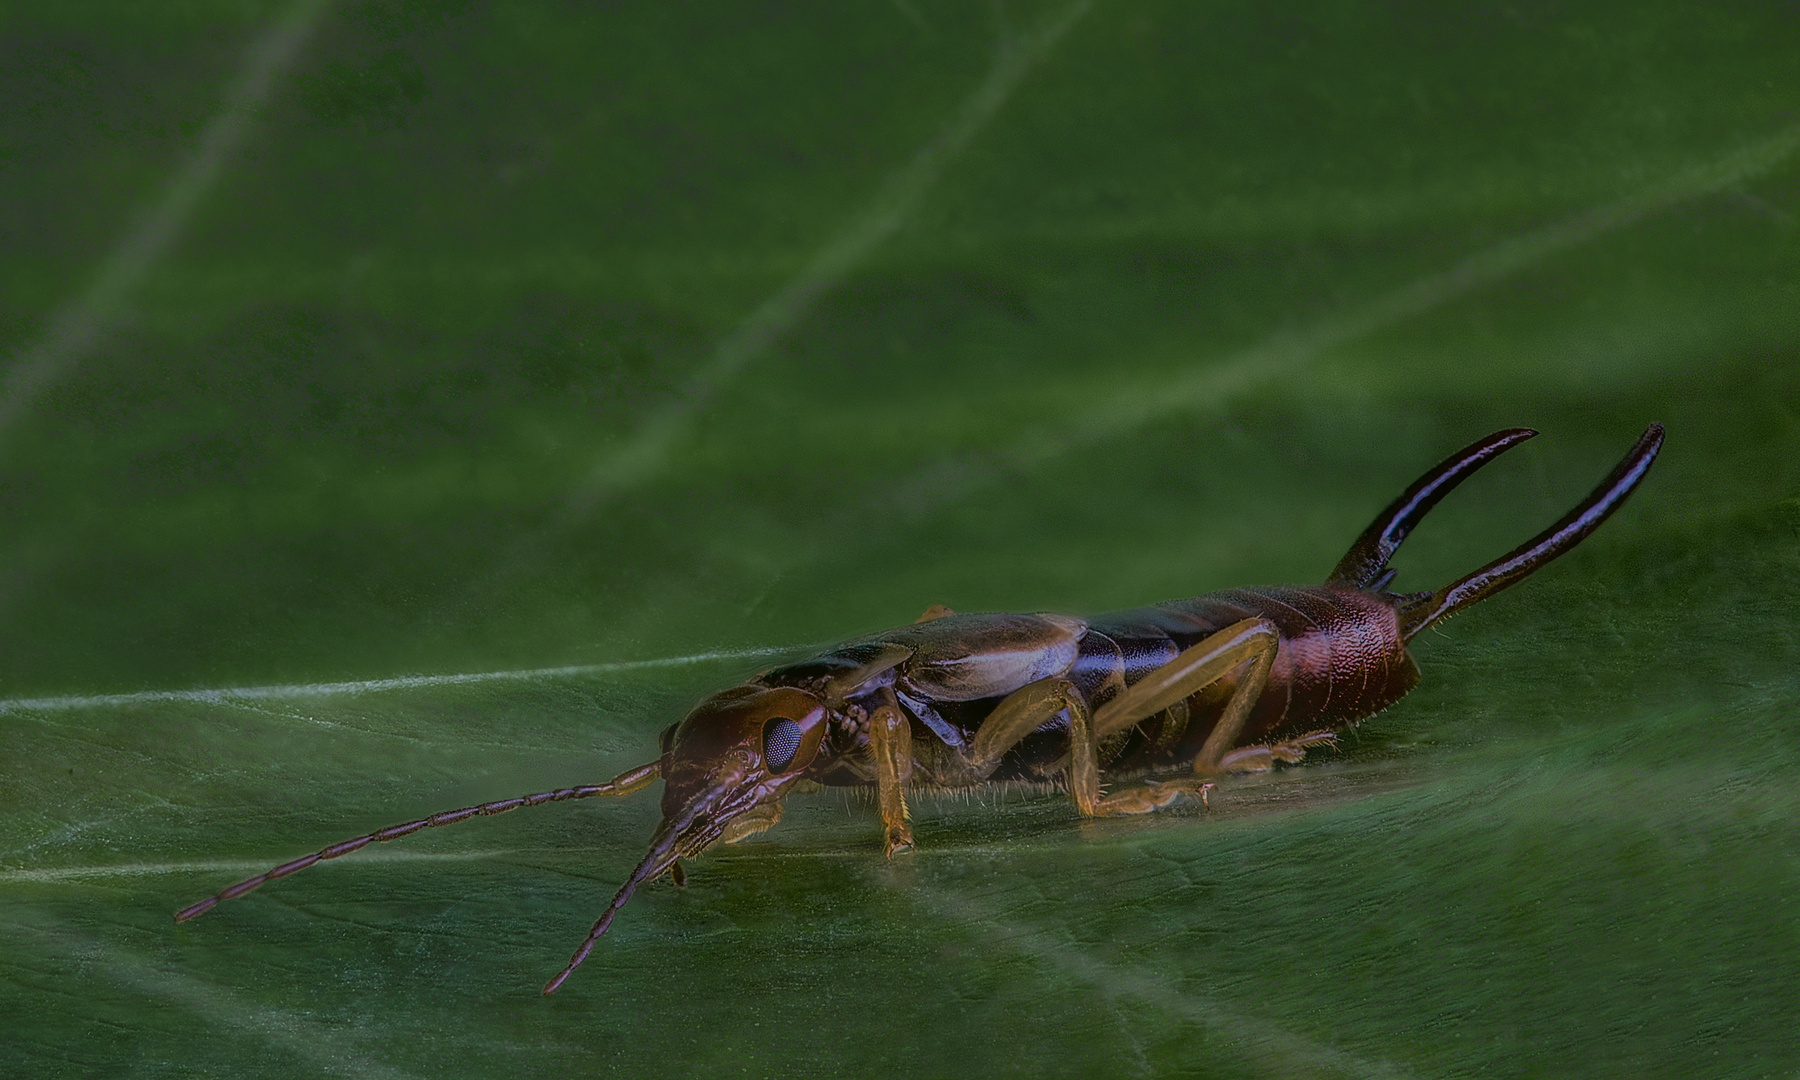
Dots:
(1341, 656)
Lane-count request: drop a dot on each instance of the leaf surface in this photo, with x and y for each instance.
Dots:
(507, 380)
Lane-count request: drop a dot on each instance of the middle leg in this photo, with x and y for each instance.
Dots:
(1251, 641)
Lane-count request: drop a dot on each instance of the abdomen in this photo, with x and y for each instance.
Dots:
(1341, 659)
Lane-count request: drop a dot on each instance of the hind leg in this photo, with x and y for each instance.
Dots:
(1288, 752)
(1251, 641)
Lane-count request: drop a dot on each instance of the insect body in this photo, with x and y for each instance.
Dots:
(1230, 681)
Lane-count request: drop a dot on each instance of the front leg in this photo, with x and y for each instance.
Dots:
(756, 819)
(890, 744)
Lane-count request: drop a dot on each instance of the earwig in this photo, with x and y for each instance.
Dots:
(1233, 681)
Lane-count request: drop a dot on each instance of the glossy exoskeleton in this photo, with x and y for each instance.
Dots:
(1229, 681)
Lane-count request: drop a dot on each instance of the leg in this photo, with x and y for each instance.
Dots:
(1252, 640)
(1263, 758)
(748, 824)
(932, 613)
(1031, 707)
(890, 742)
(1024, 711)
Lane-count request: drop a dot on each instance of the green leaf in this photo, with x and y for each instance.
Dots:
(416, 405)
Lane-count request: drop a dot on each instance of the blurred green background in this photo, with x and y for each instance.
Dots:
(643, 343)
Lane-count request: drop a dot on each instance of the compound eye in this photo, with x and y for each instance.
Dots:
(781, 741)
